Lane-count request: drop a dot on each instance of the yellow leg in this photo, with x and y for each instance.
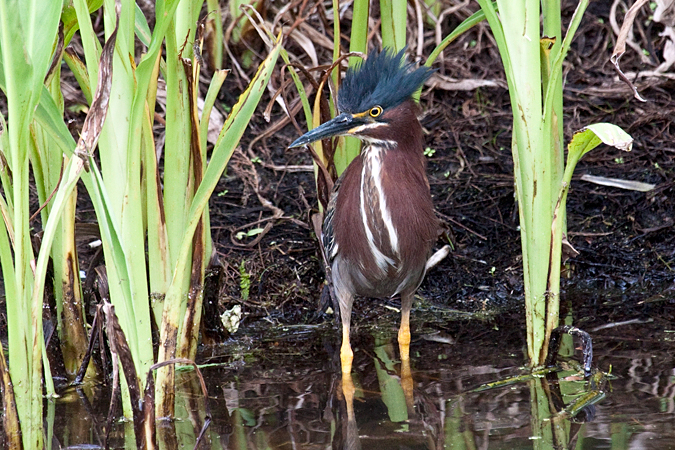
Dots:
(404, 335)
(346, 353)
(404, 348)
(348, 393)
(407, 384)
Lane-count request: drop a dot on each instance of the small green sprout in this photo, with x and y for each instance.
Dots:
(250, 233)
(245, 281)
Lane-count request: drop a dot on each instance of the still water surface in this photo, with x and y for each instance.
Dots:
(286, 392)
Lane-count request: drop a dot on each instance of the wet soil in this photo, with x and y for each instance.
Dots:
(625, 239)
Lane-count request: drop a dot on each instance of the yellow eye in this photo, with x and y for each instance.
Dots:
(375, 111)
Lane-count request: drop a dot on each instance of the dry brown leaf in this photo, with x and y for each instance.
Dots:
(620, 47)
(446, 83)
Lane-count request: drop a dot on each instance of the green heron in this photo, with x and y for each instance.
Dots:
(380, 225)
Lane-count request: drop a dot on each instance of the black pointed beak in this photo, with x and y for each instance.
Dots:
(338, 126)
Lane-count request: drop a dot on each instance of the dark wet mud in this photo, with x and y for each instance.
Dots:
(625, 238)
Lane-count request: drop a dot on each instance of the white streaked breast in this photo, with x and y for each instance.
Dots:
(372, 167)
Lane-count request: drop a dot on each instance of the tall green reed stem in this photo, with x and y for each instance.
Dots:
(28, 33)
(128, 192)
(533, 66)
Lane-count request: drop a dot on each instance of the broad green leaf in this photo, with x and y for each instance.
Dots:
(210, 99)
(142, 29)
(69, 18)
(556, 67)
(27, 37)
(591, 136)
(80, 72)
(49, 117)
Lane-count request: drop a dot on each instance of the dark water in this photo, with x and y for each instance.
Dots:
(276, 388)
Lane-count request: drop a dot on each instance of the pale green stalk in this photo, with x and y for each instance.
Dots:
(177, 143)
(158, 245)
(553, 118)
(394, 16)
(541, 415)
(217, 81)
(112, 146)
(6, 206)
(533, 65)
(27, 35)
(336, 40)
(59, 204)
(518, 41)
(90, 43)
(141, 118)
(359, 32)
(186, 18)
(522, 141)
(189, 330)
(121, 176)
(178, 185)
(69, 18)
(47, 160)
(117, 195)
(345, 153)
(229, 137)
(552, 28)
(120, 152)
(216, 19)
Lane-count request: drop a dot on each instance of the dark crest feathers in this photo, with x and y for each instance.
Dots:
(384, 79)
